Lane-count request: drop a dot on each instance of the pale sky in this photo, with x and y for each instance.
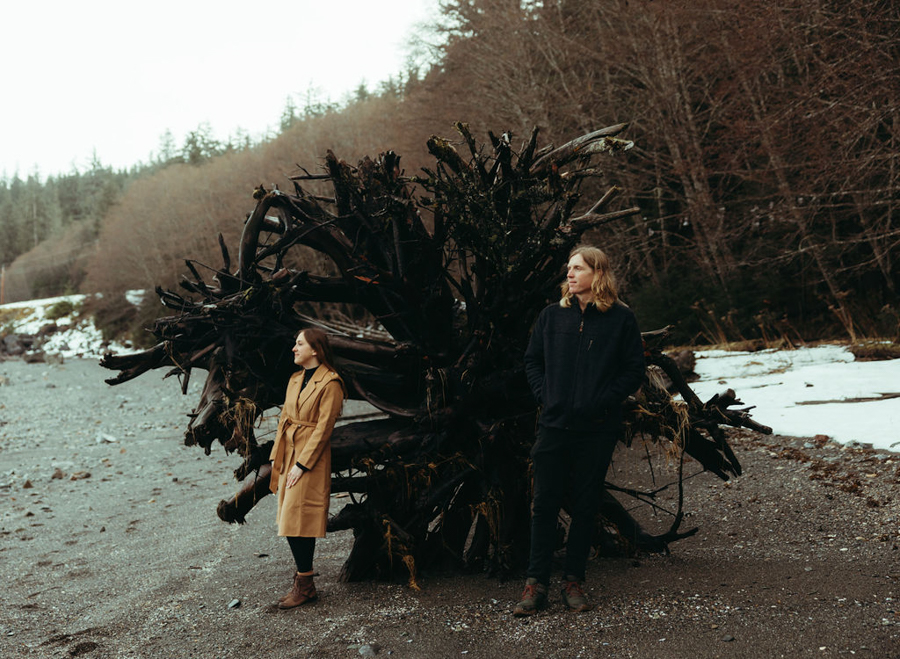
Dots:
(110, 77)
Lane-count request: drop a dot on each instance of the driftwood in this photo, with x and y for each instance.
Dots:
(448, 269)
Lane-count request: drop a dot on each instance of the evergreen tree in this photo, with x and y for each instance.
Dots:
(200, 145)
(8, 237)
(361, 94)
(168, 152)
(289, 115)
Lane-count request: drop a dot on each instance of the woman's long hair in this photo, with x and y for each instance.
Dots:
(604, 284)
(318, 341)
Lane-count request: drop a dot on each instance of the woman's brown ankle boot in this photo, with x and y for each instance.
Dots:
(303, 591)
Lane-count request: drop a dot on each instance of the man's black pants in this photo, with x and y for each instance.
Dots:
(568, 467)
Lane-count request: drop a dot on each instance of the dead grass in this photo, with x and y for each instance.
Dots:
(869, 351)
(14, 314)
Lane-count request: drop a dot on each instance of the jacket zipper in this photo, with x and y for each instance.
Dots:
(578, 353)
(581, 331)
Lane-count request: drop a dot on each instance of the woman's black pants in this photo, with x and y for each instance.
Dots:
(302, 548)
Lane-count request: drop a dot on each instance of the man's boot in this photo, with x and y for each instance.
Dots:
(573, 596)
(534, 598)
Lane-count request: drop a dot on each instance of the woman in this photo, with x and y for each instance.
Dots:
(584, 358)
(301, 457)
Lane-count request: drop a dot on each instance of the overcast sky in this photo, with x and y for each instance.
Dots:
(110, 77)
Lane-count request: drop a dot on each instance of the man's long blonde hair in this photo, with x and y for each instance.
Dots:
(604, 285)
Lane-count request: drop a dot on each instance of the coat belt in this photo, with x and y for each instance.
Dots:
(305, 424)
(280, 448)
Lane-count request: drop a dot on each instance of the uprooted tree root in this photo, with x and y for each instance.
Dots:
(452, 279)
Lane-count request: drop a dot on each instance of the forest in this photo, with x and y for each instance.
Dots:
(765, 162)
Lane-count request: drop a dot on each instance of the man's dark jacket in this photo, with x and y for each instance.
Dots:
(582, 366)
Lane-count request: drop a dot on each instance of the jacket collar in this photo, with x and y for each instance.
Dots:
(590, 307)
(322, 372)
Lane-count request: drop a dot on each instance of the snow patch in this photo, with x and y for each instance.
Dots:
(135, 296)
(75, 337)
(810, 391)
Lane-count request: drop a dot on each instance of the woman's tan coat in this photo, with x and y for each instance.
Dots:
(304, 436)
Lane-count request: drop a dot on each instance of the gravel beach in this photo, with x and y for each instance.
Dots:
(110, 547)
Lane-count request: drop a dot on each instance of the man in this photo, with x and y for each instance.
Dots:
(585, 357)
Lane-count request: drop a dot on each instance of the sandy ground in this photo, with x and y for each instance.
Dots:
(110, 547)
